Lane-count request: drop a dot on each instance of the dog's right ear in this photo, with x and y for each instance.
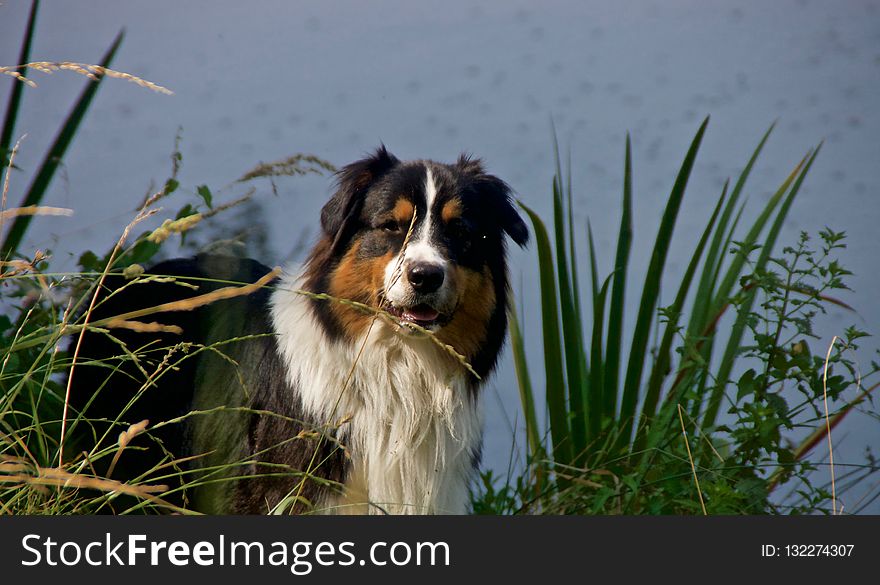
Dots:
(339, 215)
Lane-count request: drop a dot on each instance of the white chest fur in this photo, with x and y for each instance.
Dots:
(413, 428)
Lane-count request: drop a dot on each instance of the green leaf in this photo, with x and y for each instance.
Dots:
(171, 186)
(746, 385)
(205, 194)
(90, 262)
(141, 253)
(778, 404)
(185, 211)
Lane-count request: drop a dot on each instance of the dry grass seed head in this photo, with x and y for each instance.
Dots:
(93, 72)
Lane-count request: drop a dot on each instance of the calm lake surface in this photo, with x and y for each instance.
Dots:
(258, 81)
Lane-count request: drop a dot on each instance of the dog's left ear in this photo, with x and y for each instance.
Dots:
(339, 215)
(497, 192)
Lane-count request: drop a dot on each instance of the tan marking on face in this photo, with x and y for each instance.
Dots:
(357, 279)
(403, 211)
(469, 326)
(451, 210)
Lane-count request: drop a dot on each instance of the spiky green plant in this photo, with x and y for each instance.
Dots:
(615, 414)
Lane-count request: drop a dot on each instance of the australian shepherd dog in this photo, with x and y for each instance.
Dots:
(349, 385)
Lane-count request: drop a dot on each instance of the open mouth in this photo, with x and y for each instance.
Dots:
(423, 315)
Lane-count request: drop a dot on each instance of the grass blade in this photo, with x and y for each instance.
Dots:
(571, 327)
(582, 362)
(721, 297)
(731, 277)
(56, 153)
(739, 325)
(594, 270)
(524, 382)
(555, 378)
(573, 343)
(17, 88)
(705, 338)
(651, 291)
(572, 248)
(618, 289)
(664, 358)
(703, 305)
(714, 258)
(598, 369)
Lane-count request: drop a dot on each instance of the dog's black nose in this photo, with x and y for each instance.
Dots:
(425, 277)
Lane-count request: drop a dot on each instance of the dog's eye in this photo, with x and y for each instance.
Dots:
(390, 226)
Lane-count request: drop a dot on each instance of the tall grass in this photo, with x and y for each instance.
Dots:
(616, 410)
(47, 465)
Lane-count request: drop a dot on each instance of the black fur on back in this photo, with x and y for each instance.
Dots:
(260, 455)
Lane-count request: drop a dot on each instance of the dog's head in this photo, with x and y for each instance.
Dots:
(425, 241)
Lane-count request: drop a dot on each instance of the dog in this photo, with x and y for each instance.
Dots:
(349, 386)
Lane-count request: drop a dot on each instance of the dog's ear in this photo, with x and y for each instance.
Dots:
(497, 193)
(339, 215)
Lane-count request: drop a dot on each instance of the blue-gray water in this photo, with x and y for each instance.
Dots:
(256, 81)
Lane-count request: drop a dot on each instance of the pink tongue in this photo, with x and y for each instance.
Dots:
(421, 313)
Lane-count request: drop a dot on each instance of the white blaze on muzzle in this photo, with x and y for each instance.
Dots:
(421, 277)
